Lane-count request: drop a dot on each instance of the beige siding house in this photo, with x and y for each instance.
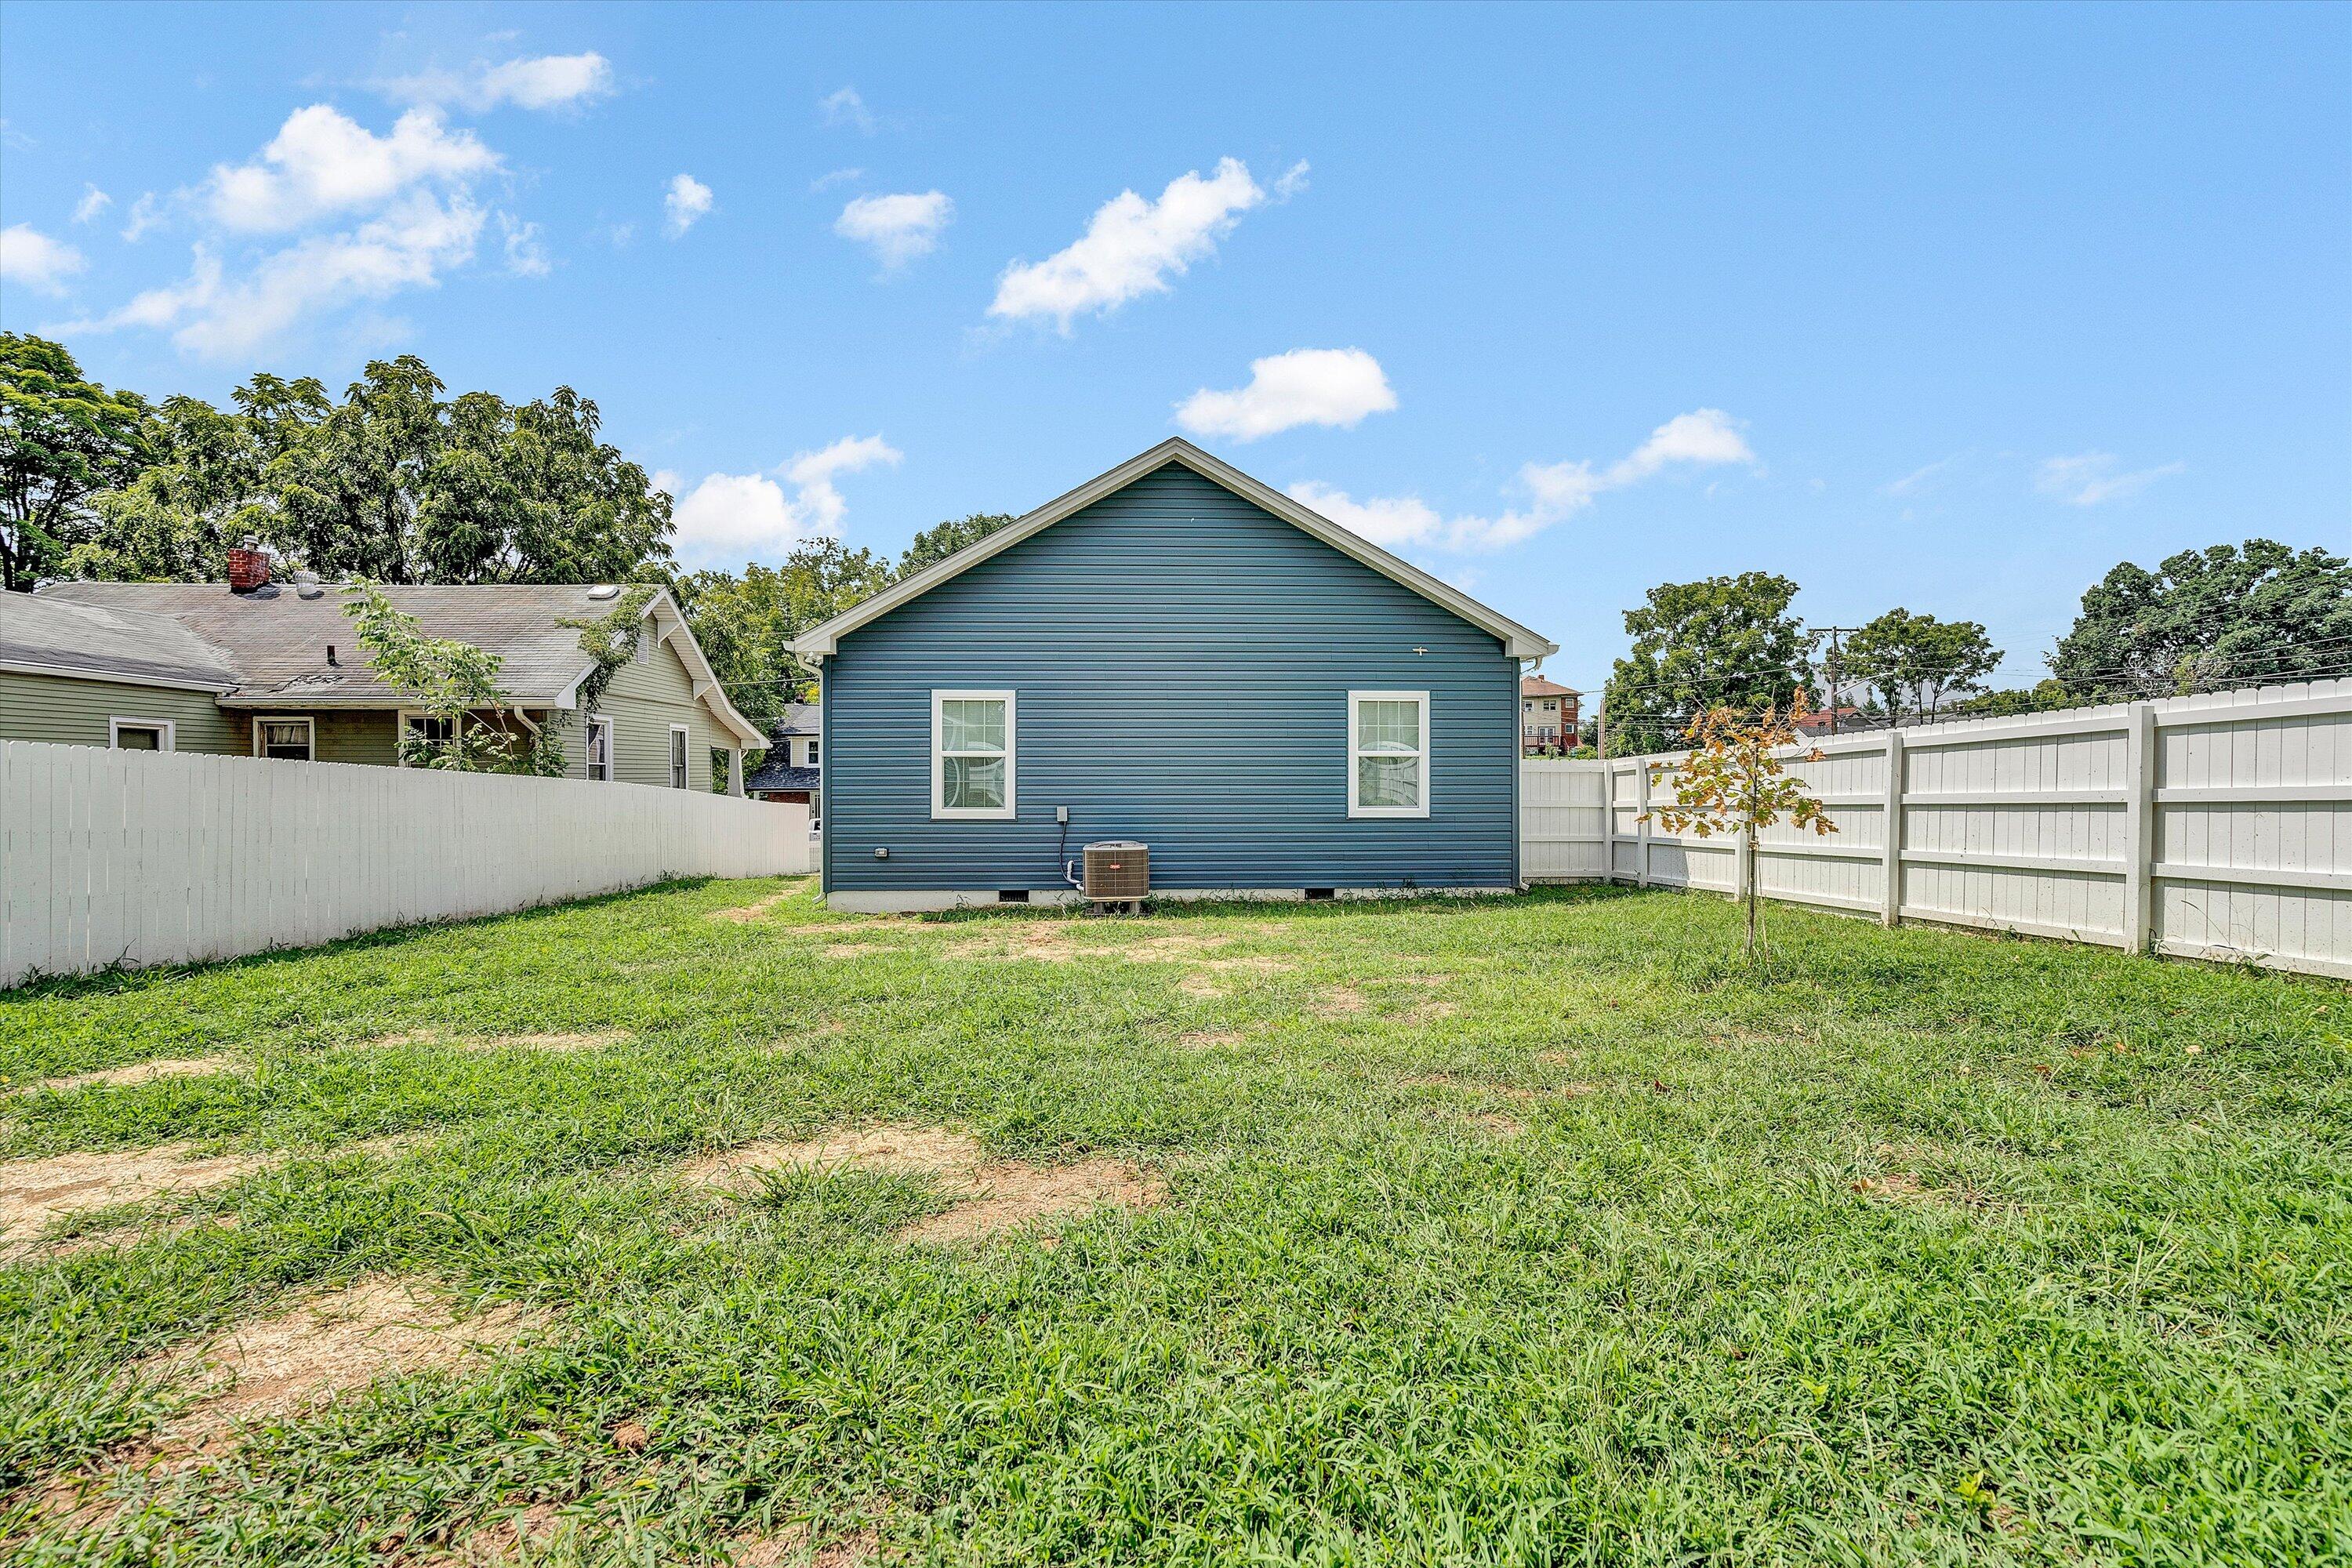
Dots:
(275, 670)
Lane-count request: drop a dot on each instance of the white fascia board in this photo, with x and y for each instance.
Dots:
(707, 689)
(1518, 642)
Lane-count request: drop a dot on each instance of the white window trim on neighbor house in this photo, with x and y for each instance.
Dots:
(681, 756)
(399, 734)
(588, 750)
(165, 737)
(1356, 700)
(944, 813)
(309, 726)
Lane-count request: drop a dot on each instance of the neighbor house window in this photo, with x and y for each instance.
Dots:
(139, 734)
(812, 754)
(437, 727)
(972, 755)
(677, 748)
(1388, 753)
(600, 748)
(289, 740)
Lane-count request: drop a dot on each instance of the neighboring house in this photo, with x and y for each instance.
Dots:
(1547, 715)
(793, 769)
(1849, 721)
(276, 670)
(1178, 654)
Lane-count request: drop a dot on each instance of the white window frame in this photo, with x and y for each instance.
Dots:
(399, 734)
(588, 750)
(814, 761)
(307, 723)
(165, 738)
(1011, 807)
(681, 757)
(1356, 700)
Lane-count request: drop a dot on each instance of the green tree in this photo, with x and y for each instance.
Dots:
(1918, 661)
(528, 494)
(175, 521)
(746, 624)
(63, 438)
(2224, 615)
(456, 685)
(934, 544)
(1720, 642)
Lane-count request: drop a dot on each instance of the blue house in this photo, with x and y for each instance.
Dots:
(1174, 653)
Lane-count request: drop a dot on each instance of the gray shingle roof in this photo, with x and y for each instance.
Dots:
(275, 642)
(776, 776)
(55, 633)
(799, 718)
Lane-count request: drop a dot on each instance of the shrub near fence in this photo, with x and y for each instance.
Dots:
(141, 857)
(2212, 827)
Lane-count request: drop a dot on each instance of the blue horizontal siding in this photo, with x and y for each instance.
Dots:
(1182, 660)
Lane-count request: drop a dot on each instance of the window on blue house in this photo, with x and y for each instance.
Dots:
(972, 755)
(1388, 753)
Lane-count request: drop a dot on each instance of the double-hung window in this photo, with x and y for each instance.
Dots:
(1388, 753)
(437, 728)
(139, 734)
(290, 739)
(973, 749)
(600, 748)
(677, 750)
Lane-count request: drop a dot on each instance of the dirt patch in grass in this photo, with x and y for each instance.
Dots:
(562, 1040)
(988, 1196)
(137, 1072)
(1340, 1002)
(1207, 1039)
(1497, 1124)
(35, 1192)
(1427, 1012)
(796, 1546)
(1201, 986)
(844, 950)
(913, 1151)
(743, 914)
(1007, 1197)
(328, 1342)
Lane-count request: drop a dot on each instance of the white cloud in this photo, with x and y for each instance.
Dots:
(1385, 520)
(93, 202)
(846, 108)
(1705, 437)
(322, 163)
(408, 246)
(1921, 478)
(898, 228)
(1130, 246)
(1304, 386)
(547, 82)
(688, 200)
(2089, 479)
(32, 258)
(142, 216)
(838, 177)
(1293, 181)
(526, 256)
(730, 518)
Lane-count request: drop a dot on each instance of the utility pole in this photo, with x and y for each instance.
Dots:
(1836, 662)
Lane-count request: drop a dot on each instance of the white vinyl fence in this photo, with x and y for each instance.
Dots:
(2211, 827)
(141, 857)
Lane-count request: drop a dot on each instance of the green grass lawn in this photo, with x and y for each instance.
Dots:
(1514, 1231)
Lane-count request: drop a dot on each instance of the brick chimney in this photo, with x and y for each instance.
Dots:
(248, 568)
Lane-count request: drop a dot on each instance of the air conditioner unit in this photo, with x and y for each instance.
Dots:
(1118, 871)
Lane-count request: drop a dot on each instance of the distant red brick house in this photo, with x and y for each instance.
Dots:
(1548, 715)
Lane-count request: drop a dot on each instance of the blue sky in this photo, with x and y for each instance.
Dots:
(1950, 307)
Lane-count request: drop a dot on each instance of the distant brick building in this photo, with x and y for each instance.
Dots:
(1548, 715)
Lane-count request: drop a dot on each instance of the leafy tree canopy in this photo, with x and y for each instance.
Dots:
(2224, 615)
(63, 438)
(395, 484)
(938, 544)
(1720, 642)
(746, 624)
(1919, 663)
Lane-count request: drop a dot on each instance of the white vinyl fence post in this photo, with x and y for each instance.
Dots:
(1642, 822)
(1608, 821)
(1890, 909)
(2139, 813)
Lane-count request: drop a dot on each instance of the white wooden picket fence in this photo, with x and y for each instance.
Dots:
(2210, 826)
(142, 858)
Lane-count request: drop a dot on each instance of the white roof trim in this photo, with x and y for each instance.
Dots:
(712, 695)
(1518, 642)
